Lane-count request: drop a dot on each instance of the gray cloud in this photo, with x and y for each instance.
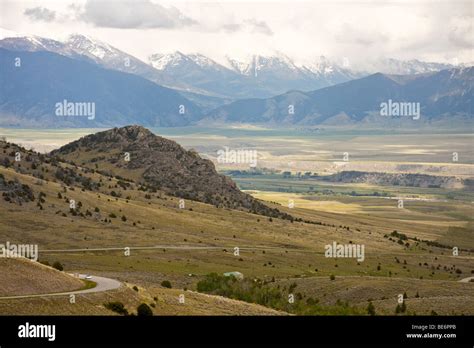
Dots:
(259, 27)
(462, 36)
(416, 29)
(350, 34)
(232, 27)
(40, 14)
(251, 25)
(128, 14)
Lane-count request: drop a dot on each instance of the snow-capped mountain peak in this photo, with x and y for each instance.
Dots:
(406, 67)
(251, 65)
(239, 66)
(162, 61)
(88, 46)
(251, 76)
(320, 66)
(15, 41)
(108, 56)
(202, 60)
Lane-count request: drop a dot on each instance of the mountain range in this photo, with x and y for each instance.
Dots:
(126, 90)
(259, 76)
(256, 76)
(447, 95)
(194, 73)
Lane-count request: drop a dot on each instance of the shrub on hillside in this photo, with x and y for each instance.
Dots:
(371, 309)
(166, 284)
(57, 265)
(116, 307)
(260, 292)
(144, 310)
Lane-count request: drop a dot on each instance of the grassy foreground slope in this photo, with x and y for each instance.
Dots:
(25, 277)
(161, 301)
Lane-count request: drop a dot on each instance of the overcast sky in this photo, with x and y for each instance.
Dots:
(439, 31)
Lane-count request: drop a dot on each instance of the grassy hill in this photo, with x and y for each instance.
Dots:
(25, 277)
(136, 154)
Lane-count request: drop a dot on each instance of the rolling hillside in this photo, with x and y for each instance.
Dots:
(27, 277)
(183, 246)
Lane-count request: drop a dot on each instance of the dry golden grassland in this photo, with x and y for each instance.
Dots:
(25, 277)
(183, 245)
(277, 248)
(161, 301)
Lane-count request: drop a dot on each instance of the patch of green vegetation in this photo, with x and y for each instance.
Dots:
(88, 284)
(262, 293)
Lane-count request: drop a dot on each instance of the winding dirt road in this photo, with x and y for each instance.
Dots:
(102, 284)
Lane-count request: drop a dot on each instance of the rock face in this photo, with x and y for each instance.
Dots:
(160, 164)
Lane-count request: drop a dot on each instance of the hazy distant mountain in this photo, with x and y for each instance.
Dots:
(409, 67)
(443, 94)
(207, 85)
(178, 61)
(110, 57)
(113, 58)
(36, 43)
(256, 65)
(258, 76)
(264, 76)
(30, 93)
(95, 51)
(278, 69)
(92, 50)
(202, 73)
(332, 72)
(191, 73)
(85, 48)
(196, 75)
